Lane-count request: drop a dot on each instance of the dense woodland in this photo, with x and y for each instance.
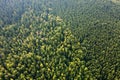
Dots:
(59, 40)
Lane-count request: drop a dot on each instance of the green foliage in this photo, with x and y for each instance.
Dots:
(40, 48)
(96, 24)
(59, 39)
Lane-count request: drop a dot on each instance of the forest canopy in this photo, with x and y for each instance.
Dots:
(59, 39)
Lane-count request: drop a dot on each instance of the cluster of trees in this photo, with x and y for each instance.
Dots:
(12, 10)
(96, 25)
(41, 47)
(60, 39)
